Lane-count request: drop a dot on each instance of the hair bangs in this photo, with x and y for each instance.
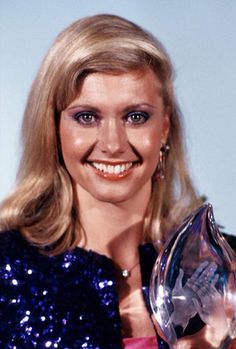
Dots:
(109, 59)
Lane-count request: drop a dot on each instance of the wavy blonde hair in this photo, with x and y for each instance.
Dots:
(43, 205)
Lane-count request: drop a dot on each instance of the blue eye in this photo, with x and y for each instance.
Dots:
(137, 118)
(85, 118)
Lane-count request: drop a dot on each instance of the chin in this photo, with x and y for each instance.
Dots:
(112, 198)
(114, 193)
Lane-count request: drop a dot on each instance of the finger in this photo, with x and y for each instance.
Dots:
(215, 279)
(208, 281)
(192, 286)
(202, 292)
(208, 272)
(199, 270)
(178, 282)
(207, 288)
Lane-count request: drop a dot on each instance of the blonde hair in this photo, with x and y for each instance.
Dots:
(43, 204)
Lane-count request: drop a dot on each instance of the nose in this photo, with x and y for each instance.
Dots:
(112, 137)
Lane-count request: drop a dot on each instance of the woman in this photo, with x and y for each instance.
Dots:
(102, 176)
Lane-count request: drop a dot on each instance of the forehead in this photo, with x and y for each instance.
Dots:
(120, 88)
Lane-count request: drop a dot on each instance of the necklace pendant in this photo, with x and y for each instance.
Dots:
(125, 273)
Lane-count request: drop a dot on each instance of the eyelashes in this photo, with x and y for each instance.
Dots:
(89, 118)
(137, 118)
(85, 118)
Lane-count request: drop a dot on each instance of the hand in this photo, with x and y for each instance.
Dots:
(210, 307)
(207, 300)
(184, 308)
(186, 298)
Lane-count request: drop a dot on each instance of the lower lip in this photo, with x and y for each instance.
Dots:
(113, 176)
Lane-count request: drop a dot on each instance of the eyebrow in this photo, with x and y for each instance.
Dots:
(82, 106)
(128, 108)
(139, 105)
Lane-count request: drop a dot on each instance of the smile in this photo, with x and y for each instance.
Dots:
(113, 172)
(112, 169)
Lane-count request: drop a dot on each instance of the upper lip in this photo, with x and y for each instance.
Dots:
(113, 163)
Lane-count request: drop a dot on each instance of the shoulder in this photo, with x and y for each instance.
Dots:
(10, 238)
(18, 258)
(14, 246)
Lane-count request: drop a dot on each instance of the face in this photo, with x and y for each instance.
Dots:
(111, 135)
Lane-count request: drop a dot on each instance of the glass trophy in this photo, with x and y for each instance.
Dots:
(193, 286)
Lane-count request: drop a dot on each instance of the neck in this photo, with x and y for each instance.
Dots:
(114, 229)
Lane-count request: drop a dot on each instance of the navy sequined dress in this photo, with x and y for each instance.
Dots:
(66, 301)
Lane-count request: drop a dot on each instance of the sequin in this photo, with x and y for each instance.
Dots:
(8, 267)
(67, 301)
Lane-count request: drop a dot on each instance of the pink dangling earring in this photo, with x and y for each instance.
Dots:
(160, 171)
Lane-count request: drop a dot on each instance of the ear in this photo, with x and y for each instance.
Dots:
(165, 128)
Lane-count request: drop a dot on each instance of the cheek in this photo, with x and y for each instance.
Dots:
(74, 142)
(148, 143)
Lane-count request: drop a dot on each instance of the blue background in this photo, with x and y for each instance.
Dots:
(201, 39)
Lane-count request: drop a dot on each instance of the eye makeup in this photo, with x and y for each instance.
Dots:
(137, 117)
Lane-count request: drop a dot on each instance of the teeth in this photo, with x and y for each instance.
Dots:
(117, 169)
(100, 167)
(110, 169)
